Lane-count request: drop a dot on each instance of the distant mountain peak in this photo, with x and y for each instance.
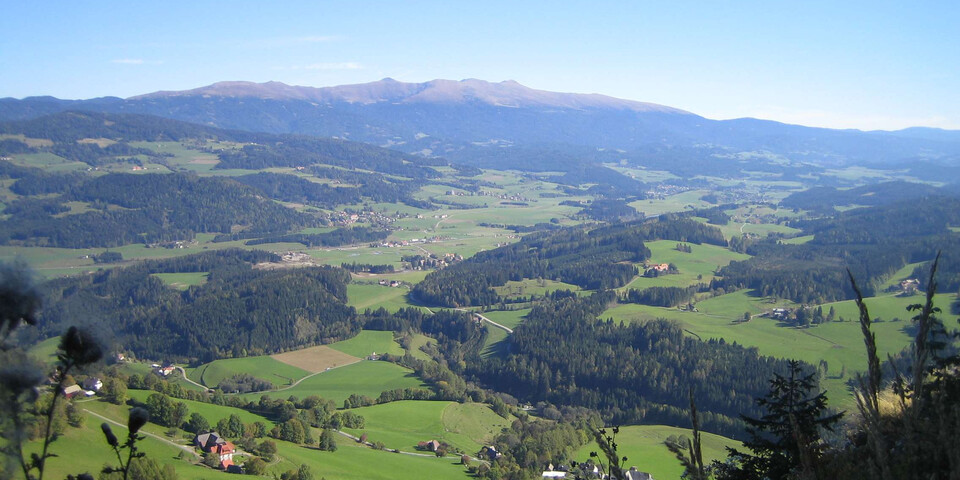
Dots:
(507, 93)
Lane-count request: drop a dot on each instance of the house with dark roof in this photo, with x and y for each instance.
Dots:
(634, 474)
(212, 442)
(92, 383)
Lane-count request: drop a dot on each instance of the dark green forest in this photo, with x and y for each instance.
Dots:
(239, 311)
(872, 242)
(128, 208)
(629, 373)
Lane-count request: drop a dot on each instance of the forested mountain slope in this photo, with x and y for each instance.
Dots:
(238, 311)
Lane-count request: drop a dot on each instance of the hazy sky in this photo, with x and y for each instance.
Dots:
(840, 64)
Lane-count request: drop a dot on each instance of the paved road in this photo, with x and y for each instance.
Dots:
(189, 450)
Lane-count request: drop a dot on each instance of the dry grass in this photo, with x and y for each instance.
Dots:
(315, 359)
(100, 142)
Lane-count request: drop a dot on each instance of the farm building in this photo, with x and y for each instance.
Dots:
(212, 442)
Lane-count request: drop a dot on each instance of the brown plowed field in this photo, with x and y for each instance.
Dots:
(315, 359)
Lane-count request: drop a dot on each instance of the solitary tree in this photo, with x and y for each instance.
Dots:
(327, 441)
(786, 439)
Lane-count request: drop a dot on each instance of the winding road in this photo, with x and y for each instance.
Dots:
(185, 377)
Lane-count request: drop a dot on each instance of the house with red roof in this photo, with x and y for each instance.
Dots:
(212, 442)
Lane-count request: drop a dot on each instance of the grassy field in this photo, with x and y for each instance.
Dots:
(694, 267)
(46, 350)
(276, 372)
(472, 425)
(495, 344)
(363, 378)
(496, 337)
(84, 450)
(402, 424)
(373, 296)
(420, 340)
(838, 343)
(183, 281)
(798, 240)
(643, 446)
(902, 274)
(507, 318)
(528, 287)
(674, 203)
(367, 342)
(354, 462)
(213, 413)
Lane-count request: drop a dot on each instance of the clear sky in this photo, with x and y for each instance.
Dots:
(839, 64)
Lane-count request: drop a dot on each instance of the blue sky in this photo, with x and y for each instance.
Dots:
(851, 64)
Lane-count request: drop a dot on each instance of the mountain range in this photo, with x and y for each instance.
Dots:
(500, 124)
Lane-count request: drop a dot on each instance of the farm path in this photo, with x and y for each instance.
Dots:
(189, 450)
(491, 322)
(185, 377)
(435, 227)
(294, 384)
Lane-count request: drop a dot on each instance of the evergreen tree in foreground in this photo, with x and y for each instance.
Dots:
(787, 438)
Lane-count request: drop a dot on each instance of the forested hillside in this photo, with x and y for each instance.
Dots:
(127, 208)
(590, 258)
(872, 242)
(70, 133)
(238, 311)
(638, 373)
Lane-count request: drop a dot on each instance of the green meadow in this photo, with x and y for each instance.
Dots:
(213, 413)
(263, 367)
(689, 200)
(420, 340)
(798, 240)
(507, 318)
(400, 425)
(695, 267)
(354, 462)
(472, 425)
(495, 343)
(644, 448)
(363, 378)
(84, 449)
(528, 287)
(367, 342)
(183, 281)
(371, 295)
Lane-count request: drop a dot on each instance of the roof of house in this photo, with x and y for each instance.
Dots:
(72, 390)
(91, 382)
(207, 441)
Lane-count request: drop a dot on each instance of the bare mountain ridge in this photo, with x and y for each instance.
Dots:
(503, 94)
(508, 125)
